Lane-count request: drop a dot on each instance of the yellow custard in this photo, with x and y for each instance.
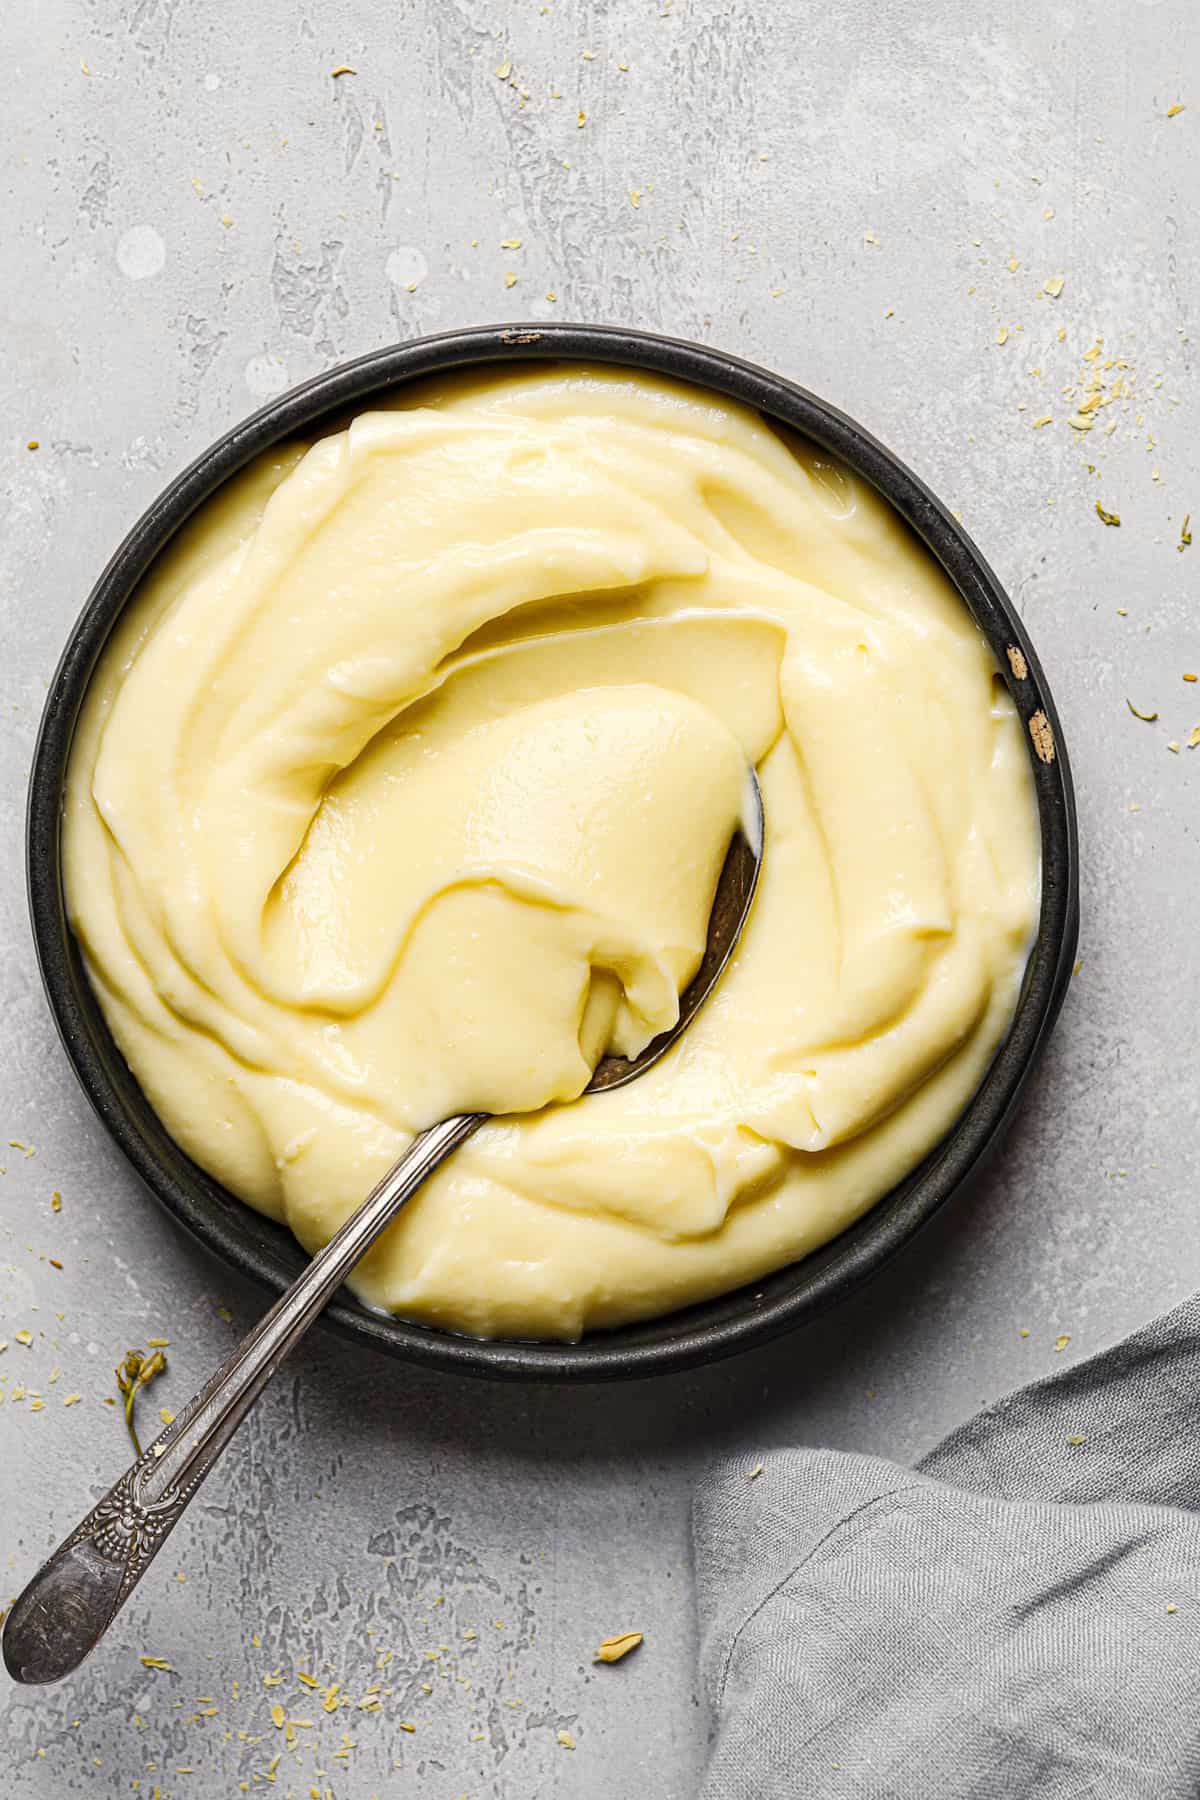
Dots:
(402, 790)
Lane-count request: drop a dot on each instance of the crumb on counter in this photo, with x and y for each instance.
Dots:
(613, 1649)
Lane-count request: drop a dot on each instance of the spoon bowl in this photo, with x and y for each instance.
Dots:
(730, 909)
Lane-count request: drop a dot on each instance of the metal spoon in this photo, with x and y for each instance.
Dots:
(74, 1597)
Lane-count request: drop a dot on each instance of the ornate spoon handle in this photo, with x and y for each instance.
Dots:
(74, 1597)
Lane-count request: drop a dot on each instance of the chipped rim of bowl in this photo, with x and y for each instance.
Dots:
(267, 1252)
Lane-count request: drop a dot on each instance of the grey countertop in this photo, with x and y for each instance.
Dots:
(865, 196)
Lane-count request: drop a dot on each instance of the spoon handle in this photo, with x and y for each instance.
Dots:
(74, 1597)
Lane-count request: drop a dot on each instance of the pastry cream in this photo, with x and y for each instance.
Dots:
(402, 790)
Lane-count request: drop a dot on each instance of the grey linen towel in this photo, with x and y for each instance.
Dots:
(1018, 1617)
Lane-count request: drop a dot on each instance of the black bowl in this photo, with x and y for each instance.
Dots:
(267, 1251)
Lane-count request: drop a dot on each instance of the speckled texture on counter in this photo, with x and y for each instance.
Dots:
(867, 197)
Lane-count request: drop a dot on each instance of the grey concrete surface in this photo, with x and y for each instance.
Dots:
(864, 195)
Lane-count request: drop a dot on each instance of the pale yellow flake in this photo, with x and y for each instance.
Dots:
(612, 1649)
(565, 1739)
(1054, 286)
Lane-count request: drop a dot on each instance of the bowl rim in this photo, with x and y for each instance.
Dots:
(265, 1251)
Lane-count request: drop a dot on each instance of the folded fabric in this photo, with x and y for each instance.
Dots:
(1016, 1619)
